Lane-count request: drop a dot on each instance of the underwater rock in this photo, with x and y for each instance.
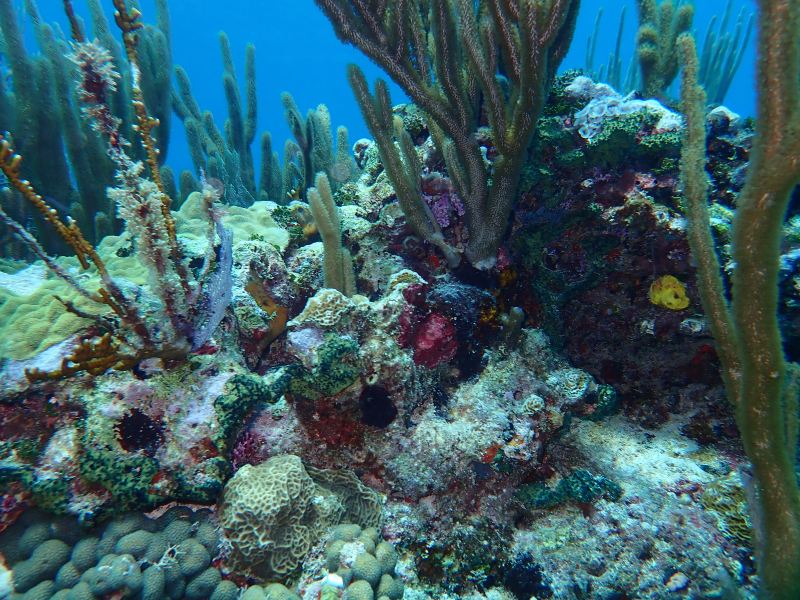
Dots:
(591, 237)
(263, 297)
(138, 443)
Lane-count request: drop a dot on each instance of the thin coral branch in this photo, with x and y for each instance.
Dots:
(130, 23)
(74, 24)
(10, 163)
(27, 239)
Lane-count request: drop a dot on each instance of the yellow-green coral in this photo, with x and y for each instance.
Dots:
(726, 499)
(39, 314)
(43, 318)
(245, 222)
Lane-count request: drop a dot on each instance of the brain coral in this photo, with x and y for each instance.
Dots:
(275, 512)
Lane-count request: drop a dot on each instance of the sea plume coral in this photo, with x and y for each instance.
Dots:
(191, 307)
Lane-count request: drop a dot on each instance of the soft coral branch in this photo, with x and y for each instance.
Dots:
(194, 309)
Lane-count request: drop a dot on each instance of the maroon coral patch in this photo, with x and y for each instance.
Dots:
(435, 342)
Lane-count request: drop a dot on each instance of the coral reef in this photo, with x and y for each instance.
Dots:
(468, 362)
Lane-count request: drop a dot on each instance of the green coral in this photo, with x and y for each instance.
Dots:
(667, 166)
(50, 494)
(413, 120)
(347, 194)
(205, 485)
(135, 480)
(580, 486)
(24, 449)
(16, 461)
(661, 146)
(606, 403)
(337, 368)
(560, 102)
(242, 394)
(633, 137)
(616, 140)
(287, 217)
(127, 477)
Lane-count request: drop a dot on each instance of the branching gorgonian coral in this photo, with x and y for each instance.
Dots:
(188, 308)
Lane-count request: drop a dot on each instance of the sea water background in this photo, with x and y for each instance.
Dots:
(297, 51)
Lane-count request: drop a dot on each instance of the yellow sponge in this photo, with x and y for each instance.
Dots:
(668, 292)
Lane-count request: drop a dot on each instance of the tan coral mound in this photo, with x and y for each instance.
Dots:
(275, 512)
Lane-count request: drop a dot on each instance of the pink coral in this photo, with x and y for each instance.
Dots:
(435, 341)
(250, 449)
(439, 193)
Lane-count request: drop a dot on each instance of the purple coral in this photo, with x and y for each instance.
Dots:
(441, 197)
(443, 206)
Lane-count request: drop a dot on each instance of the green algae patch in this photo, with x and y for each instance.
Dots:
(580, 486)
(242, 394)
(128, 477)
(335, 371)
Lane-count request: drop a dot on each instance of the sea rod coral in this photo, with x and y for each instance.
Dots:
(190, 310)
(759, 381)
(511, 51)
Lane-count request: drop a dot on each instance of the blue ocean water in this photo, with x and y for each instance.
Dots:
(297, 51)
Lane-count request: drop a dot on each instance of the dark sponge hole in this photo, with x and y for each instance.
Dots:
(377, 408)
(524, 578)
(138, 432)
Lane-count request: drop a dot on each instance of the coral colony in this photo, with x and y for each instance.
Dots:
(537, 338)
